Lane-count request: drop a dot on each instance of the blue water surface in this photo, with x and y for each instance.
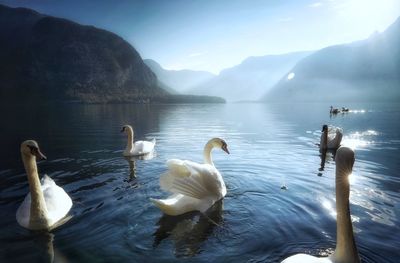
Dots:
(271, 145)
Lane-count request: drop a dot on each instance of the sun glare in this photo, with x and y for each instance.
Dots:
(290, 76)
(351, 179)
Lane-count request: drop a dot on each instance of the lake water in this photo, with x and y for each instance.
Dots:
(271, 146)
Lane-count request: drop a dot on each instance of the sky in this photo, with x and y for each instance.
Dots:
(212, 35)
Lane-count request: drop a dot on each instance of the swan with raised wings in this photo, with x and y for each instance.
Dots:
(328, 141)
(194, 186)
(47, 204)
(137, 148)
(346, 249)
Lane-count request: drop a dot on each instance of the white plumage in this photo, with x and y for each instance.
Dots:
(194, 186)
(330, 138)
(346, 249)
(46, 205)
(304, 258)
(137, 148)
(58, 203)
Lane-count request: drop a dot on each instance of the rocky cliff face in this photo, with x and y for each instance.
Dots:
(48, 58)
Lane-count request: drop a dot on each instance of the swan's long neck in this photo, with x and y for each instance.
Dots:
(129, 144)
(324, 140)
(346, 250)
(207, 153)
(38, 211)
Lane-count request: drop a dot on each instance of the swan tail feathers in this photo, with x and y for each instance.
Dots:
(167, 209)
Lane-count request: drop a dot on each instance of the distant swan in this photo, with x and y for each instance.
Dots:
(346, 249)
(328, 142)
(47, 203)
(334, 110)
(139, 147)
(195, 187)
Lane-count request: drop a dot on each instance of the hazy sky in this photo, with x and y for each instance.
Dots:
(215, 34)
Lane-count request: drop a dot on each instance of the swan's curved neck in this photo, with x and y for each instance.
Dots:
(129, 144)
(38, 210)
(207, 153)
(324, 140)
(346, 250)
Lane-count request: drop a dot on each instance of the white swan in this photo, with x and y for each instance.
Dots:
(47, 203)
(346, 249)
(139, 147)
(195, 187)
(330, 142)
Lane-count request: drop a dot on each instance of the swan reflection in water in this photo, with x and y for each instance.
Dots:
(190, 230)
(326, 154)
(44, 250)
(132, 162)
(132, 167)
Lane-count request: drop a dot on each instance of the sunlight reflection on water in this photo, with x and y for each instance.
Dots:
(357, 140)
(258, 221)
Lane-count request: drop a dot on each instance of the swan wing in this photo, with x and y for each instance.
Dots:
(143, 147)
(335, 139)
(24, 211)
(304, 258)
(58, 202)
(200, 181)
(178, 204)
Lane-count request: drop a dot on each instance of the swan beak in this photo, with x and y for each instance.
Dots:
(39, 155)
(225, 149)
(123, 129)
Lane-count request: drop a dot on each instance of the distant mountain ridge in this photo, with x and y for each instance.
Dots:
(250, 79)
(44, 58)
(180, 81)
(363, 70)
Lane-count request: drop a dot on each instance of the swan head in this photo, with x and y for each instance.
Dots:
(324, 128)
(31, 148)
(219, 143)
(344, 160)
(126, 127)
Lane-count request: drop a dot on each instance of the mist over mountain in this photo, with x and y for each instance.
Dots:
(250, 79)
(180, 81)
(367, 70)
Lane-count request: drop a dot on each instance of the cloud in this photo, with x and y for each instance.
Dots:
(315, 5)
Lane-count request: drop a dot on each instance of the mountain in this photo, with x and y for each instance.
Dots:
(250, 79)
(180, 81)
(44, 58)
(367, 70)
